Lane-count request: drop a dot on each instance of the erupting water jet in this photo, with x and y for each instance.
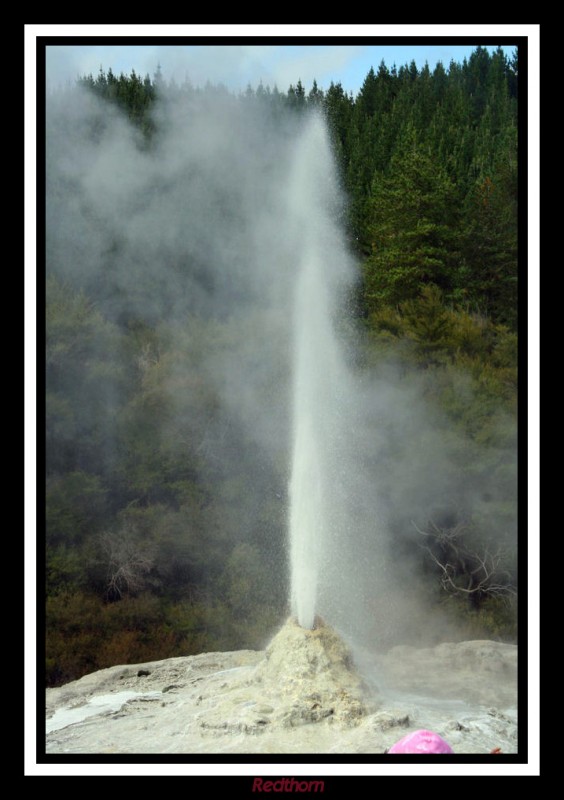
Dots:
(318, 366)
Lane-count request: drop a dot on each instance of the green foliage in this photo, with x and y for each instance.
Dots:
(490, 248)
(140, 555)
(412, 219)
(428, 323)
(65, 568)
(130, 93)
(415, 148)
(76, 505)
(85, 634)
(84, 380)
(419, 153)
(495, 619)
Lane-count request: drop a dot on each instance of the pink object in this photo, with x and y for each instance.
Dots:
(421, 742)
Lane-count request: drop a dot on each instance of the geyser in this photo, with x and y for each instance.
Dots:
(318, 365)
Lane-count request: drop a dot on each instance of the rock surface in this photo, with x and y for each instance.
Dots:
(302, 695)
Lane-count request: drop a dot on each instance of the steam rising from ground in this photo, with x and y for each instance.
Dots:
(232, 215)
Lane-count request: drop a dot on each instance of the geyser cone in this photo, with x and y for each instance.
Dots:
(313, 671)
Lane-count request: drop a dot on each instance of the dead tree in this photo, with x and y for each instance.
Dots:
(464, 569)
(129, 564)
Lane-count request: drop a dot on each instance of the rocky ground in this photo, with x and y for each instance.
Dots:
(302, 695)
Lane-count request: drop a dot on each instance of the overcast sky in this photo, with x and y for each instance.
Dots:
(237, 65)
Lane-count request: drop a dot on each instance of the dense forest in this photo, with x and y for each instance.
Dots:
(166, 519)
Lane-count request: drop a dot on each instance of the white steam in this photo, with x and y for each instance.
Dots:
(227, 226)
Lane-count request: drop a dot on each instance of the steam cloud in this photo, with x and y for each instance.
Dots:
(216, 218)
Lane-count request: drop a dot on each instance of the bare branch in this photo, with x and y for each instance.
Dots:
(129, 563)
(458, 564)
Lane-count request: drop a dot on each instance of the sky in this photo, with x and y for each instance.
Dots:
(238, 65)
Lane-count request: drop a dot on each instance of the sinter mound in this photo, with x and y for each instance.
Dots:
(311, 675)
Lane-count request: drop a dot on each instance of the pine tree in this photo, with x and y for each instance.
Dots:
(315, 96)
(489, 275)
(413, 228)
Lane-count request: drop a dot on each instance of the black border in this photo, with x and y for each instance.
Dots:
(520, 42)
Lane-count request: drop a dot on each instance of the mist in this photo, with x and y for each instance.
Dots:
(196, 243)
